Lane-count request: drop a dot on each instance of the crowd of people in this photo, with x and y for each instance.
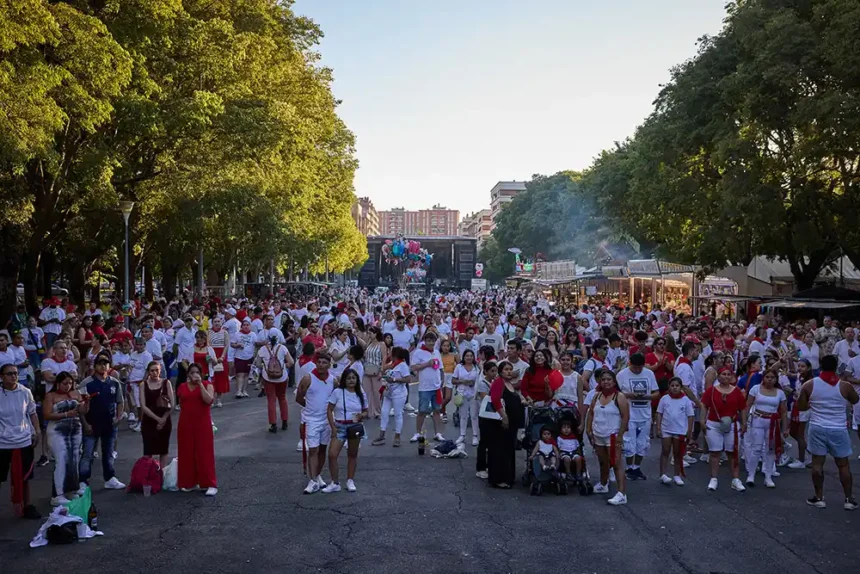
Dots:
(710, 389)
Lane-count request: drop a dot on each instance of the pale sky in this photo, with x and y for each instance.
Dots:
(448, 97)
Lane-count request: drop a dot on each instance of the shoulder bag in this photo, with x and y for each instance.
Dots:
(355, 430)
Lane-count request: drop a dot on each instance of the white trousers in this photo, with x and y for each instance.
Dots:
(756, 442)
(397, 404)
(469, 410)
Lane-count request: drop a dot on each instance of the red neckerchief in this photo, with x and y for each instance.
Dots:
(316, 373)
(305, 359)
(607, 393)
(676, 396)
(395, 363)
(685, 361)
(567, 436)
(758, 339)
(424, 348)
(829, 377)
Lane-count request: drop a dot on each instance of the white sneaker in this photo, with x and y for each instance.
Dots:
(211, 491)
(131, 417)
(413, 414)
(114, 455)
(415, 437)
(177, 408)
(312, 487)
(679, 481)
(439, 437)
(58, 500)
(712, 485)
(114, 484)
(320, 481)
(476, 441)
(738, 485)
(705, 458)
(82, 489)
(665, 479)
(685, 464)
(238, 395)
(600, 488)
(391, 413)
(134, 427)
(482, 474)
(611, 475)
(775, 473)
(218, 404)
(751, 480)
(124, 415)
(299, 446)
(617, 500)
(408, 408)
(690, 459)
(350, 485)
(333, 487)
(768, 482)
(460, 440)
(797, 465)
(784, 459)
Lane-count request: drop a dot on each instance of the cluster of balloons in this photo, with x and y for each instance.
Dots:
(405, 251)
(415, 274)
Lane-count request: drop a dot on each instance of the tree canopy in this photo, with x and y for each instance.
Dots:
(214, 116)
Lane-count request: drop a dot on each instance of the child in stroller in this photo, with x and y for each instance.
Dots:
(569, 451)
(545, 452)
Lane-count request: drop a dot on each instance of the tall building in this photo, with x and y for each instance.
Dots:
(437, 221)
(502, 193)
(365, 216)
(477, 225)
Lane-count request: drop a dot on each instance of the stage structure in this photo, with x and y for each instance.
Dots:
(452, 265)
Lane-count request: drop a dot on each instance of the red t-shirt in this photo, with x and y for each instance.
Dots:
(720, 405)
(533, 385)
(637, 349)
(663, 372)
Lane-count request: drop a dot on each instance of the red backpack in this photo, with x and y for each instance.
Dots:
(145, 471)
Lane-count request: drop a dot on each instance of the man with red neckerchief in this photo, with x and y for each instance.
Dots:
(313, 393)
(426, 363)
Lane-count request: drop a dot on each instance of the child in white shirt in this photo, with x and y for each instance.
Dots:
(546, 450)
(568, 451)
(675, 427)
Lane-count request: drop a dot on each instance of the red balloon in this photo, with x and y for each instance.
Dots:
(556, 380)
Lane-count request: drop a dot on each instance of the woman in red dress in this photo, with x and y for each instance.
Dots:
(219, 340)
(195, 439)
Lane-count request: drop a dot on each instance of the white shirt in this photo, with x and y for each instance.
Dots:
(154, 348)
(34, 338)
(257, 326)
(402, 338)
(7, 357)
(766, 403)
(248, 350)
(811, 354)
(49, 313)
(470, 345)
(232, 326)
(263, 335)
(429, 379)
(756, 348)
(642, 384)
(593, 365)
(841, 348)
(139, 361)
(463, 374)
(346, 404)
(492, 340)
(52, 366)
(20, 354)
(316, 397)
(676, 413)
(398, 390)
(688, 377)
(184, 340)
(281, 354)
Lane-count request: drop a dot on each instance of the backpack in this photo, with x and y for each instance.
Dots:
(146, 471)
(274, 369)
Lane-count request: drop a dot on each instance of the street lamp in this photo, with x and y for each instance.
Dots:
(126, 206)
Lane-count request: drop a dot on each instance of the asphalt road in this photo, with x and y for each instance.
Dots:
(425, 515)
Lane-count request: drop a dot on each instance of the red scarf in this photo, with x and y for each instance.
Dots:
(424, 348)
(685, 361)
(305, 359)
(758, 339)
(19, 476)
(829, 377)
(774, 438)
(316, 373)
(676, 395)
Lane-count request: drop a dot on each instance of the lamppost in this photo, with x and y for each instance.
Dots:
(126, 206)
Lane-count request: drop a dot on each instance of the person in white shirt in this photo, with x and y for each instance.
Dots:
(21, 361)
(257, 323)
(846, 349)
(139, 359)
(51, 319)
(58, 363)
(232, 326)
(514, 349)
(675, 414)
(34, 343)
(810, 351)
(402, 336)
(7, 356)
(639, 385)
(426, 363)
(766, 404)
(757, 345)
(684, 370)
(468, 341)
(275, 384)
(183, 348)
(465, 378)
(395, 393)
(315, 387)
(268, 332)
(489, 338)
(346, 409)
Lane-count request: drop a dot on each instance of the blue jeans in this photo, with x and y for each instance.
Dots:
(108, 440)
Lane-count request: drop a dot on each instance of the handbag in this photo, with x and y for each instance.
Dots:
(488, 411)
(726, 421)
(163, 400)
(354, 430)
(219, 366)
(372, 370)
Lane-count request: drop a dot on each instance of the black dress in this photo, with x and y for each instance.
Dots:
(501, 446)
(156, 442)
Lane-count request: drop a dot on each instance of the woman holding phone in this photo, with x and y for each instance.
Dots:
(195, 439)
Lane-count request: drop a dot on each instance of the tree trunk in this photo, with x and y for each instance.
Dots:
(168, 279)
(46, 271)
(10, 263)
(77, 285)
(148, 286)
(27, 276)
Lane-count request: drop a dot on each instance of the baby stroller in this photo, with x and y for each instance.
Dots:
(535, 477)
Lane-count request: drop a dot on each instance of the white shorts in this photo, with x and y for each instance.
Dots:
(317, 433)
(803, 416)
(856, 414)
(134, 393)
(717, 441)
(449, 377)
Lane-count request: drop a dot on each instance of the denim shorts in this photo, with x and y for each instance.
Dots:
(823, 441)
(341, 430)
(427, 402)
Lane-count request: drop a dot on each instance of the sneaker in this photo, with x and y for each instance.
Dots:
(218, 404)
(43, 461)
(408, 408)
(31, 513)
(82, 489)
(283, 425)
(124, 415)
(245, 394)
(685, 464)
(630, 473)
(333, 487)
(678, 480)
(211, 491)
(476, 441)
(131, 418)
(239, 395)
(768, 482)
(415, 437)
(482, 474)
(114, 455)
(444, 419)
(816, 502)
(601, 488)
(611, 475)
(705, 458)
(299, 446)
(320, 481)
(350, 485)
(690, 459)
(797, 465)
(439, 437)
(775, 473)
(114, 484)
(396, 442)
(665, 479)
(58, 500)
(784, 459)
(850, 504)
(639, 474)
(413, 414)
(135, 427)
(273, 428)
(738, 485)
(617, 500)
(312, 487)
(391, 413)
(188, 489)
(378, 441)
(712, 485)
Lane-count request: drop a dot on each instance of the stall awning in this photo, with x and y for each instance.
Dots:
(811, 304)
(729, 298)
